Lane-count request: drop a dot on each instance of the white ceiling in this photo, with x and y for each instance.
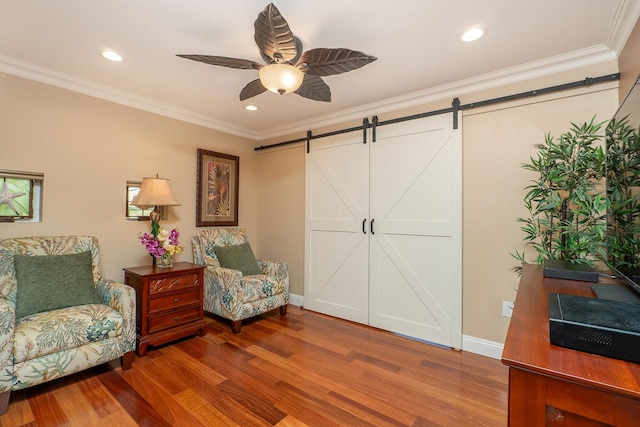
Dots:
(416, 43)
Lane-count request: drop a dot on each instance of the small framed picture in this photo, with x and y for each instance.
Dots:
(217, 189)
(134, 213)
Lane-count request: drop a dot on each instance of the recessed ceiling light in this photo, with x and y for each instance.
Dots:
(473, 33)
(111, 55)
(250, 107)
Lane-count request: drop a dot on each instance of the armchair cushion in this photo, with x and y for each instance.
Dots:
(238, 257)
(257, 288)
(50, 282)
(209, 240)
(58, 330)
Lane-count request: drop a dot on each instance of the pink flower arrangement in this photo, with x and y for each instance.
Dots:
(162, 243)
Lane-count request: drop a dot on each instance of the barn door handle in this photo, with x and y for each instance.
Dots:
(371, 225)
(364, 221)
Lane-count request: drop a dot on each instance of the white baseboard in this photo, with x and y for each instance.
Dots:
(471, 344)
(296, 300)
(481, 346)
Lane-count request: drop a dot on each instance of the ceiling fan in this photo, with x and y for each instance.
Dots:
(288, 69)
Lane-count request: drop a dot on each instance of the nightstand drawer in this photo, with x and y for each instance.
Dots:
(172, 283)
(174, 301)
(169, 320)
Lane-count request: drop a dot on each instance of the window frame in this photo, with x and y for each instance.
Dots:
(131, 212)
(34, 209)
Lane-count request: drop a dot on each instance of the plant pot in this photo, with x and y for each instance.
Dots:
(165, 261)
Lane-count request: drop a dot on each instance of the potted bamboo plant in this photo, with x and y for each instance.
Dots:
(566, 203)
(623, 193)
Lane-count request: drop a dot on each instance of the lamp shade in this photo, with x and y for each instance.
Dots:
(281, 78)
(155, 192)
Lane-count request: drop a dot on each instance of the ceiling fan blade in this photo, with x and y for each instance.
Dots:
(292, 61)
(313, 87)
(273, 36)
(223, 61)
(326, 62)
(295, 60)
(252, 89)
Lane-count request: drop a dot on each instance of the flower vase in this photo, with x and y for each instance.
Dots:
(165, 261)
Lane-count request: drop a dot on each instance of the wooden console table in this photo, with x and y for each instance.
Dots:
(551, 385)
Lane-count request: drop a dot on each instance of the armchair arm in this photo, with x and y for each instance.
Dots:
(7, 327)
(222, 291)
(121, 298)
(277, 269)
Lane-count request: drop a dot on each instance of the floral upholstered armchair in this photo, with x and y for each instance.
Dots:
(47, 330)
(236, 285)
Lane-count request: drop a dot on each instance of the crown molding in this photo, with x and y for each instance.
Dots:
(624, 21)
(34, 72)
(573, 60)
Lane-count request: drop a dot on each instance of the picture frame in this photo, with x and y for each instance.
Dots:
(21, 199)
(217, 185)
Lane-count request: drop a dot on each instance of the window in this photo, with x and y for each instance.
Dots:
(134, 213)
(20, 196)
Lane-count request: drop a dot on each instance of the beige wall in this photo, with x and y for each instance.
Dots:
(88, 148)
(496, 141)
(281, 202)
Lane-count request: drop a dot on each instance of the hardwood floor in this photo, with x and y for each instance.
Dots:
(304, 370)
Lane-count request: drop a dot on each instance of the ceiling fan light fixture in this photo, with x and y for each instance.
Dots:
(281, 78)
(289, 69)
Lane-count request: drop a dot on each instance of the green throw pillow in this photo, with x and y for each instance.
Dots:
(238, 257)
(49, 282)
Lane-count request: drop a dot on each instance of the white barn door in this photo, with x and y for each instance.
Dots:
(416, 244)
(336, 248)
(384, 229)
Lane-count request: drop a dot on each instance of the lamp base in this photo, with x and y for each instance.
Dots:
(155, 214)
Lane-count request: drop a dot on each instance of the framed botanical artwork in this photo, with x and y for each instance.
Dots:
(217, 189)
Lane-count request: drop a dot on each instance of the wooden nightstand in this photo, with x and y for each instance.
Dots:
(168, 302)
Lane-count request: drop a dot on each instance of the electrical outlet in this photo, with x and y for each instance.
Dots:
(507, 308)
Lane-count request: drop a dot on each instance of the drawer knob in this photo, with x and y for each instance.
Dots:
(175, 318)
(176, 299)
